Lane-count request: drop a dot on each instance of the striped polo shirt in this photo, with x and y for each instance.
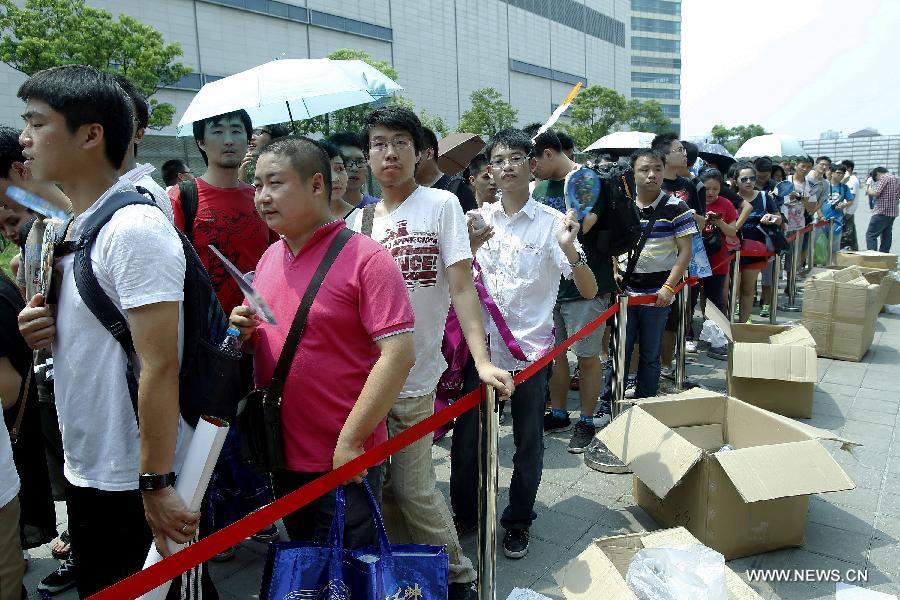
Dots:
(660, 252)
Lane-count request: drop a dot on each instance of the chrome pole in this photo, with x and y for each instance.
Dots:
(735, 283)
(684, 305)
(488, 443)
(830, 242)
(773, 301)
(793, 268)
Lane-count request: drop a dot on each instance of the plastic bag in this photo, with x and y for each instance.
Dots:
(820, 252)
(712, 334)
(690, 572)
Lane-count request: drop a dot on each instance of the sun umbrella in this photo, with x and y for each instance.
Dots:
(288, 90)
(622, 142)
(457, 150)
(716, 154)
(773, 145)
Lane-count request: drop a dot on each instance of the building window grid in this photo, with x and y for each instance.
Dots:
(657, 6)
(538, 71)
(668, 78)
(577, 16)
(655, 25)
(656, 62)
(317, 18)
(655, 93)
(651, 44)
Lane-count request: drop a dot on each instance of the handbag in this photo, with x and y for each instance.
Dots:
(712, 239)
(259, 412)
(328, 571)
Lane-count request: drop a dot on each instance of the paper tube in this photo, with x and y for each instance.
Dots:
(202, 455)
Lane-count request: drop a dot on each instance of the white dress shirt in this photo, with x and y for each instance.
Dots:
(521, 267)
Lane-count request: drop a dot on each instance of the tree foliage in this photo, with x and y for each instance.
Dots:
(599, 110)
(488, 114)
(49, 33)
(734, 137)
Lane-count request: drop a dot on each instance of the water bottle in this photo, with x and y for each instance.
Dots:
(231, 345)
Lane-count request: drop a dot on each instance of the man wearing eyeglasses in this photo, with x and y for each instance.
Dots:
(425, 231)
(355, 164)
(259, 139)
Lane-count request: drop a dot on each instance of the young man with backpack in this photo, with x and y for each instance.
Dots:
(119, 489)
(217, 209)
(428, 174)
(572, 311)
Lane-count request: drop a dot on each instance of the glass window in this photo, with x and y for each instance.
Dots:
(655, 61)
(317, 18)
(278, 9)
(354, 26)
(657, 93)
(655, 25)
(673, 111)
(191, 81)
(576, 15)
(655, 44)
(657, 6)
(298, 13)
(257, 5)
(638, 77)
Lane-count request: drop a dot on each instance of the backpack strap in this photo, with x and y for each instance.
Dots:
(89, 288)
(24, 388)
(292, 342)
(453, 188)
(635, 254)
(368, 219)
(187, 193)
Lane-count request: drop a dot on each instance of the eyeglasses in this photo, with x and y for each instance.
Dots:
(261, 131)
(398, 144)
(748, 179)
(514, 161)
(678, 150)
(356, 163)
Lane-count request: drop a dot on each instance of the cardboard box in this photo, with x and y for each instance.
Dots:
(866, 258)
(740, 502)
(840, 308)
(599, 572)
(770, 366)
(890, 287)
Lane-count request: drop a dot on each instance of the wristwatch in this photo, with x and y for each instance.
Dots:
(151, 482)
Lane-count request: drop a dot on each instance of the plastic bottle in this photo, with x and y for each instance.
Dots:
(231, 345)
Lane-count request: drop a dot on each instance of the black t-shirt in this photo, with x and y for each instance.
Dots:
(686, 191)
(12, 346)
(460, 188)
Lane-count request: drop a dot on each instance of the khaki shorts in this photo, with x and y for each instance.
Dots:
(571, 316)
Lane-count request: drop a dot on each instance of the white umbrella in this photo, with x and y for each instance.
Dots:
(773, 145)
(288, 90)
(622, 141)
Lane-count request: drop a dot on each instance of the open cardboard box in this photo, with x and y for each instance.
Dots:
(840, 308)
(866, 258)
(890, 286)
(599, 572)
(740, 502)
(770, 366)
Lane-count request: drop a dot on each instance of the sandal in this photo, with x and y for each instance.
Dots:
(62, 547)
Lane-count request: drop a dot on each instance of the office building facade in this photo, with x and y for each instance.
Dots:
(656, 54)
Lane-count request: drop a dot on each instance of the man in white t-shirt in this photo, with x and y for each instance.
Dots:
(425, 231)
(119, 492)
(848, 237)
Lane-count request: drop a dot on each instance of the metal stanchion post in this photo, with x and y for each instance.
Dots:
(735, 283)
(488, 443)
(830, 243)
(793, 267)
(773, 301)
(684, 305)
(598, 456)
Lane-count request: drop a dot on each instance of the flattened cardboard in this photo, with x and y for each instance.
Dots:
(599, 572)
(866, 258)
(740, 502)
(794, 336)
(773, 361)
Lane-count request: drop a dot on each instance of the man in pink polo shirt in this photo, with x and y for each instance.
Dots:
(356, 351)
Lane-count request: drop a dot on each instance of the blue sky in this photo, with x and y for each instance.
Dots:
(797, 67)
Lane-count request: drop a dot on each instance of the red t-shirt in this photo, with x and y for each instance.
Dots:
(227, 219)
(719, 261)
(362, 299)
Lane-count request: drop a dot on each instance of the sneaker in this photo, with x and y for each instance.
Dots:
(630, 388)
(60, 580)
(462, 591)
(764, 311)
(515, 543)
(267, 535)
(464, 525)
(224, 556)
(668, 372)
(690, 346)
(553, 424)
(581, 437)
(601, 419)
(720, 353)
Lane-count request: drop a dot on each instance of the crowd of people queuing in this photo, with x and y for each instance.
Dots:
(373, 352)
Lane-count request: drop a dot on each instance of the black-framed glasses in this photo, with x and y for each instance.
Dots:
(514, 161)
(355, 163)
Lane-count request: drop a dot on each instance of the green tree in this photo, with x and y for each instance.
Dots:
(648, 116)
(734, 137)
(488, 114)
(595, 112)
(49, 33)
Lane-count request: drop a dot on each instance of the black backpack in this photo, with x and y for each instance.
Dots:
(209, 381)
(619, 228)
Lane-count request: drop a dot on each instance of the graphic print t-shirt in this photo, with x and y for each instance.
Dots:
(425, 235)
(227, 219)
(686, 191)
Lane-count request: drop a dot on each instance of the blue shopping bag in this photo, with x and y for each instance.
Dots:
(328, 571)
(699, 265)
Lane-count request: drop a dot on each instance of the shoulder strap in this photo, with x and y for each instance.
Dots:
(292, 342)
(368, 218)
(187, 193)
(23, 398)
(635, 254)
(89, 288)
(453, 188)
